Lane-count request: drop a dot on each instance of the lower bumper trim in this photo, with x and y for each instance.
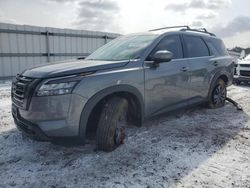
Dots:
(242, 78)
(34, 132)
(30, 129)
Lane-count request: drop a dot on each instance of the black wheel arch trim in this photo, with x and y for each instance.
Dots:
(215, 78)
(95, 99)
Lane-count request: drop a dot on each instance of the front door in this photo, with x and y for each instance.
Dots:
(166, 85)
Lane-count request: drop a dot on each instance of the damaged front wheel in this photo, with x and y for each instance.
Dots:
(112, 124)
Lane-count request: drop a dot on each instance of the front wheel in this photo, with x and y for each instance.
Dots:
(112, 124)
(218, 95)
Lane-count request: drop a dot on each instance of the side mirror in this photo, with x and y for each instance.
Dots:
(242, 54)
(162, 56)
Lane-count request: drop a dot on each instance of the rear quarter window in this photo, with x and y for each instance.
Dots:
(195, 46)
(216, 47)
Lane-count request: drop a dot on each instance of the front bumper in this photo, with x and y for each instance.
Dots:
(28, 128)
(242, 78)
(50, 117)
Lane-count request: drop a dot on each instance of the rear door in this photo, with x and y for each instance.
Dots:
(166, 85)
(220, 60)
(198, 54)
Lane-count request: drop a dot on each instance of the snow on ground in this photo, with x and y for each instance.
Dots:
(194, 148)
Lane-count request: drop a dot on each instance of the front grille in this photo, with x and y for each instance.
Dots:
(245, 65)
(20, 90)
(245, 73)
(235, 68)
(235, 71)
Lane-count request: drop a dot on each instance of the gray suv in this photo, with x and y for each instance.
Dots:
(129, 79)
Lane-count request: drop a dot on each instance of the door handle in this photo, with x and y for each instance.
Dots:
(216, 63)
(184, 69)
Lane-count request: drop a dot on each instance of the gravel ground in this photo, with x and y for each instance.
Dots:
(193, 148)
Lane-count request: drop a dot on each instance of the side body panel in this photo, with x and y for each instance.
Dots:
(166, 87)
(225, 67)
(205, 70)
(166, 84)
(199, 73)
(131, 74)
(202, 73)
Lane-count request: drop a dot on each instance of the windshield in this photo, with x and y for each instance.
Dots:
(123, 48)
(247, 57)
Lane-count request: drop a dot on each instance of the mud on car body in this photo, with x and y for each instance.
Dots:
(129, 79)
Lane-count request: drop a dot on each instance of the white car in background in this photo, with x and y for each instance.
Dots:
(242, 70)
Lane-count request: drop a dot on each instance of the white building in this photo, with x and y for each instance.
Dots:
(23, 46)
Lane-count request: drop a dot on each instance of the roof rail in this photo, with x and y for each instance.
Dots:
(162, 28)
(186, 28)
(200, 30)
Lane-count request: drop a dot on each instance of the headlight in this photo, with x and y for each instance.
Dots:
(59, 86)
(56, 89)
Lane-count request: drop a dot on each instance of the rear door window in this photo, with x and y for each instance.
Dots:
(195, 46)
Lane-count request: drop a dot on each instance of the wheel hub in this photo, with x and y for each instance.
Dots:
(120, 133)
(219, 95)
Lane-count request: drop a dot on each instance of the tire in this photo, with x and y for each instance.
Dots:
(237, 82)
(217, 97)
(112, 124)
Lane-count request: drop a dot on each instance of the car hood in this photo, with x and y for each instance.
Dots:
(70, 68)
(244, 61)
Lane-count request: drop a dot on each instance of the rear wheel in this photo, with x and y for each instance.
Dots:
(112, 124)
(218, 95)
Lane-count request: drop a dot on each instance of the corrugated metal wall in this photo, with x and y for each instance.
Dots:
(24, 46)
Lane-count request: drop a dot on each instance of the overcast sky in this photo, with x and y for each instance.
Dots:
(229, 19)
